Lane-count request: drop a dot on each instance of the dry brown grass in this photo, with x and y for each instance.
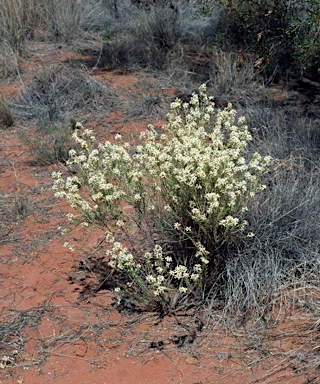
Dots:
(17, 22)
(65, 19)
(6, 117)
(234, 74)
(8, 60)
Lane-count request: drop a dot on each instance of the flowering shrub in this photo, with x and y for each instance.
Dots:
(171, 205)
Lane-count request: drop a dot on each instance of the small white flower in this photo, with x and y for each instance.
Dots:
(148, 255)
(194, 276)
(229, 221)
(180, 272)
(151, 279)
(204, 260)
(70, 216)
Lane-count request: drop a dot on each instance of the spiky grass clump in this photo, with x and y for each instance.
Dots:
(56, 93)
(280, 266)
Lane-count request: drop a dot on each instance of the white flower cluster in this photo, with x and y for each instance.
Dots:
(156, 268)
(160, 273)
(199, 166)
(153, 276)
(193, 182)
(121, 258)
(102, 174)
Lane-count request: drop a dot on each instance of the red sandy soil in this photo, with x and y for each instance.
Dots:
(51, 333)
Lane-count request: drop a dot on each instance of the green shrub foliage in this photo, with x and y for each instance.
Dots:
(285, 34)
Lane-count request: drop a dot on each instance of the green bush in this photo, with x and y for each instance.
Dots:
(285, 34)
(171, 207)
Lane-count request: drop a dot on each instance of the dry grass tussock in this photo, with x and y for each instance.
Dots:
(64, 20)
(8, 61)
(56, 93)
(282, 261)
(233, 75)
(17, 21)
(6, 116)
(151, 36)
(67, 19)
(54, 99)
